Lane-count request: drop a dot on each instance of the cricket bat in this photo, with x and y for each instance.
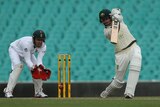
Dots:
(114, 33)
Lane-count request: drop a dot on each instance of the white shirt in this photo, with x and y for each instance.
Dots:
(25, 48)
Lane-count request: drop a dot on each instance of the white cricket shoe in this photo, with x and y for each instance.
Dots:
(41, 95)
(104, 94)
(128, 96)
(8, 94)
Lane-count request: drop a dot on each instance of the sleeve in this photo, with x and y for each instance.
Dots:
(116, 14)
(41, 53)
(107, 32)
(34, 59)
(27, 56)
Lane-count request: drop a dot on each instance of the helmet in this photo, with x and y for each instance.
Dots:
(39, 34)
(104, 14)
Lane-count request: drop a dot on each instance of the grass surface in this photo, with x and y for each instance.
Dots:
(81, 102)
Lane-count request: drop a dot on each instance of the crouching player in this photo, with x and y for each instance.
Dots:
(22, 51)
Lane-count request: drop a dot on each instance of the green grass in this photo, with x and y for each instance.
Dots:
(81, 102)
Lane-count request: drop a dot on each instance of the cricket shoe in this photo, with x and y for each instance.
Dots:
(41, 95)
(104, 94)
(8, 94)
(128, 96)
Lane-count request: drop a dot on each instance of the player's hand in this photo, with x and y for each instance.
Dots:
(41, 66)
(114, 18)
(36, 72)
(39, 72)
(116, 15)
(45, 74)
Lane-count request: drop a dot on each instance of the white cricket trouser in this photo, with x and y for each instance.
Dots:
(129, 57)
(17, 66)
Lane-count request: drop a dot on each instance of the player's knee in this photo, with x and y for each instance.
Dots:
(135, 68)
(117, 84)
(16, 71)
(18, 67)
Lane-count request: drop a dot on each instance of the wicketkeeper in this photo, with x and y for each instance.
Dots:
(22, 51)
(127, 53)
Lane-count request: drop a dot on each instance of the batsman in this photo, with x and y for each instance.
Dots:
(127, 53)
(23, 51)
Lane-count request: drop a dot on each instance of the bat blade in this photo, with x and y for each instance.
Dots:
(114, 34)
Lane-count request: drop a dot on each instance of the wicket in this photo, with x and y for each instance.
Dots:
(62, 75)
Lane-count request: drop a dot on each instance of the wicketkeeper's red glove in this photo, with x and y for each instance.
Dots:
(39, 72)
(36, 72)
(45, 74)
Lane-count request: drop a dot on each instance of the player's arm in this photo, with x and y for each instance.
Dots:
(34, 59)
(27, 57)
(41, 53)
(46, 73)
(115, 15)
